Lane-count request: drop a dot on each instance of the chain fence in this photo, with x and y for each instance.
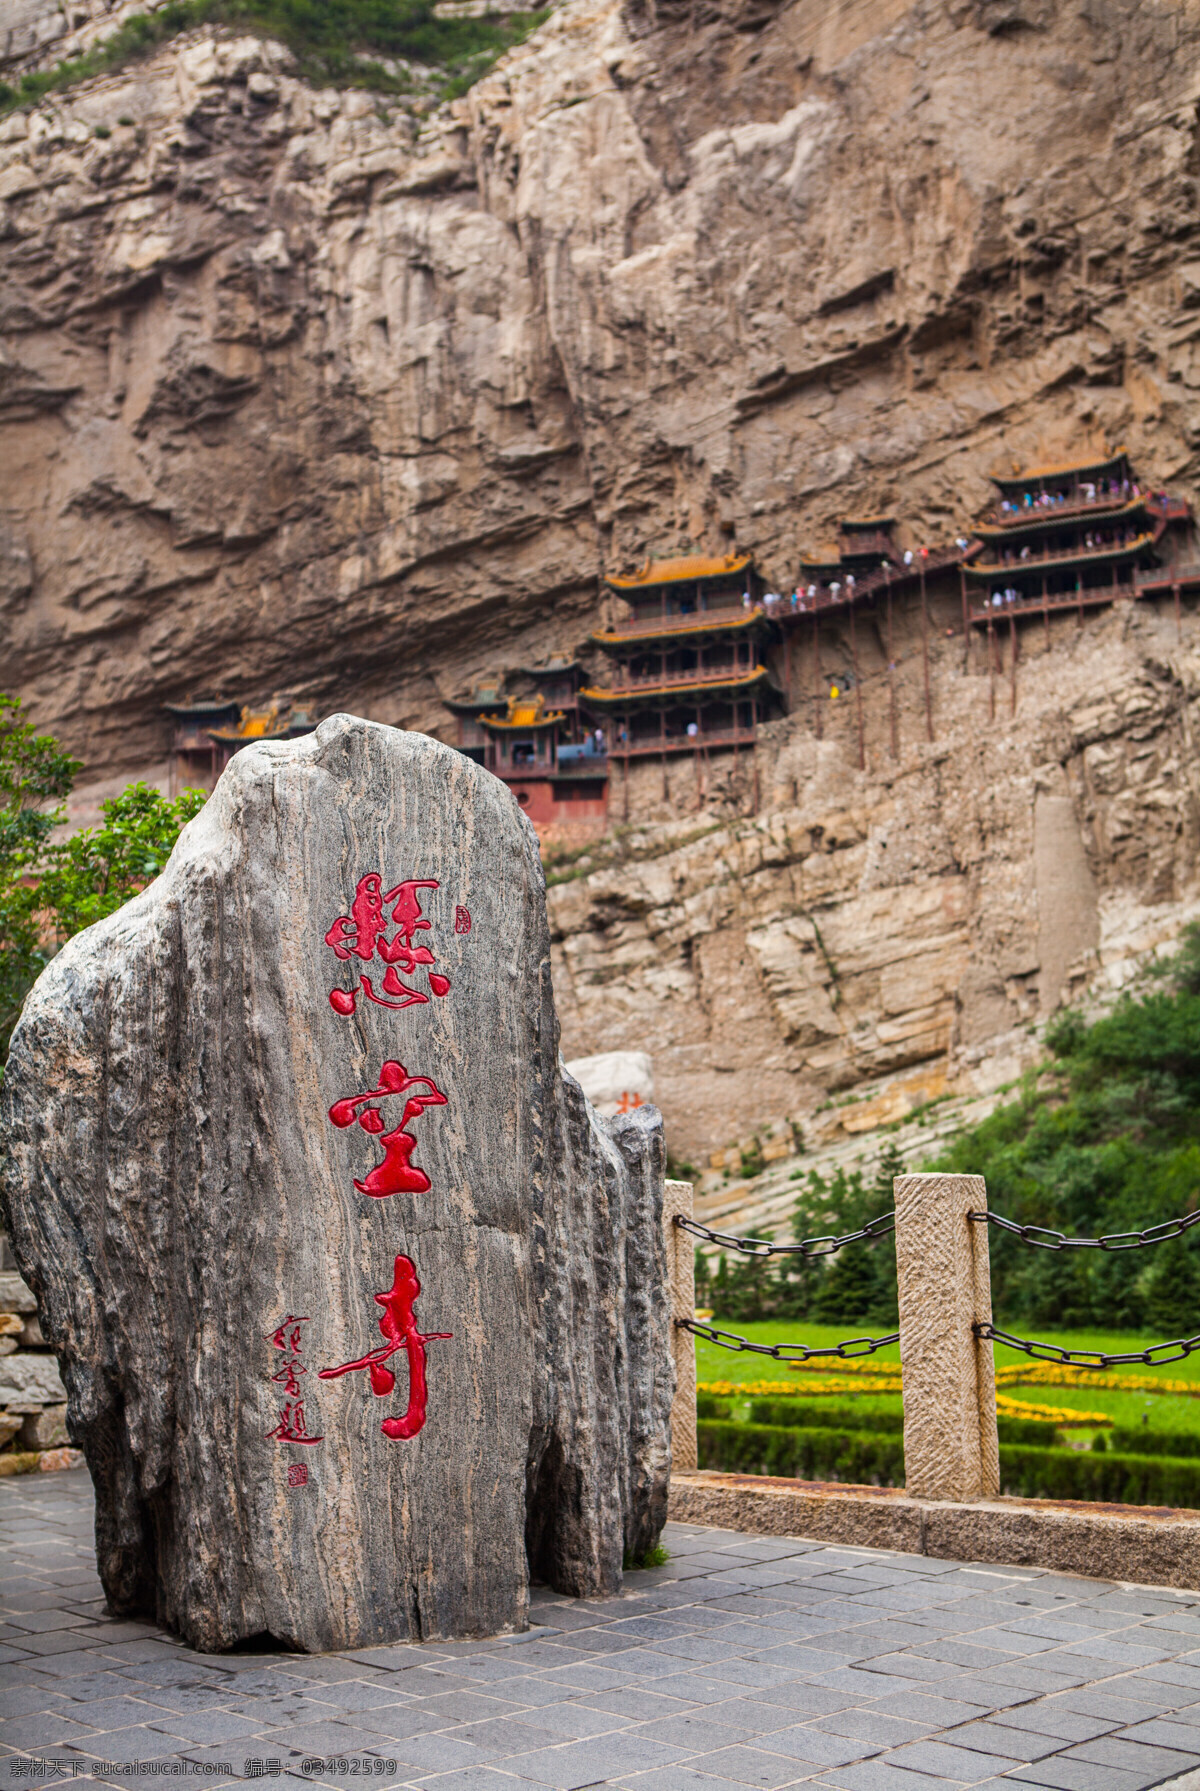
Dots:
(1043, 1239)
(1173, 1351)
(822, 1246)
(846, 1351)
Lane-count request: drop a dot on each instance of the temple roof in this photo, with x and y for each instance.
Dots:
(199, 706)
(279, 722)
(525, 713)
(1099, 463)
(687, 569)
(553, 668)
(486, 692)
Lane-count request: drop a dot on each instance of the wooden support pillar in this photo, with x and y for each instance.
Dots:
(1012, 660)
(681, 1285)
(625, 768)
(962, 582)
(862, 751)
(754, 752)
(991, 655)
(1178, 613)
(820, 706)
(951, 1449)
(891, 670)
(925, 656)
(662, 741)
(787, 668)
(1046, 612)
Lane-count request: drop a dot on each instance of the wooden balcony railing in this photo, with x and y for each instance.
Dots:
(669, 680)
(637, 749)
(720, 616)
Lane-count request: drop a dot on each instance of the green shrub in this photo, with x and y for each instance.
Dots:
(709, 1406)
(1035, 1431)
(334, 43)
(1118, 1479)
(876, 1458)
(810, 1414)
(1139, 1439)
(860, 1458)
(1103, 1137)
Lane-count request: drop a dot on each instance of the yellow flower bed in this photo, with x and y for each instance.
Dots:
(1005, 1407)
(1051, 1414)
(758, 1389)
(1061, 1374)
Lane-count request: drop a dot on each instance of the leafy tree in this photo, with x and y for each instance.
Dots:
(50, 890)
(1173, 1289)
(96, 871)
(35, 776)
(851, 1291)
(1104, 1137)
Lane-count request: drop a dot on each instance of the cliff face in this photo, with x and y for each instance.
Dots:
(299, 392)
(295, 393)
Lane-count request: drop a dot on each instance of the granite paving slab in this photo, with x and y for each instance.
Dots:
(744, 1661)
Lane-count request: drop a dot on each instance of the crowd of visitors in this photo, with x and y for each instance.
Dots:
(1091, 491)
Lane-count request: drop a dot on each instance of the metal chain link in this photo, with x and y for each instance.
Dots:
(825, 1246)
(1173, 1351)
(1042, 1239)
(786, 1352)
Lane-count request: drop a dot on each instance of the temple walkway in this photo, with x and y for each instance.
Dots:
(745, 1661)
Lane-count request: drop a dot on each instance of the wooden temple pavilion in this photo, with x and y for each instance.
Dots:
(194, 751)
(537, 744)
(207, 731)
(688, 670)
(1074, 536)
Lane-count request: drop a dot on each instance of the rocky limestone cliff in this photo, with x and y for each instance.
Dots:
(300, 391)
(878, 939)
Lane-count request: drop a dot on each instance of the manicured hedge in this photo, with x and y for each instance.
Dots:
(794, 1453)
(1138, 1439)
(809, 1414)
(812, 1414)
(1120, 1479)
(876, 1458)
(709, 1406)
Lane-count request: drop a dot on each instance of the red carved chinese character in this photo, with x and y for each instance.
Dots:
(297, 1474)
(462, 920)
(291, 1427)
(287, 1376)
(628, 1102)
(361, 934)
(399, 1328)
(286, 1336)
(396, 1174)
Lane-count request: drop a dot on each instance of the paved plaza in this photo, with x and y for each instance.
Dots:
(745, 1661)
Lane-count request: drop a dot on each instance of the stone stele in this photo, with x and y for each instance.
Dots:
(299, 1107)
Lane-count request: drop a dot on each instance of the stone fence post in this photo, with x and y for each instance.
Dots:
(951, 1449)
(681, 1281)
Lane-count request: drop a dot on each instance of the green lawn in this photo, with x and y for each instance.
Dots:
(1163, 1411)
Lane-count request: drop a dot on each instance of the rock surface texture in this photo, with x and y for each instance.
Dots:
(221, 1184)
